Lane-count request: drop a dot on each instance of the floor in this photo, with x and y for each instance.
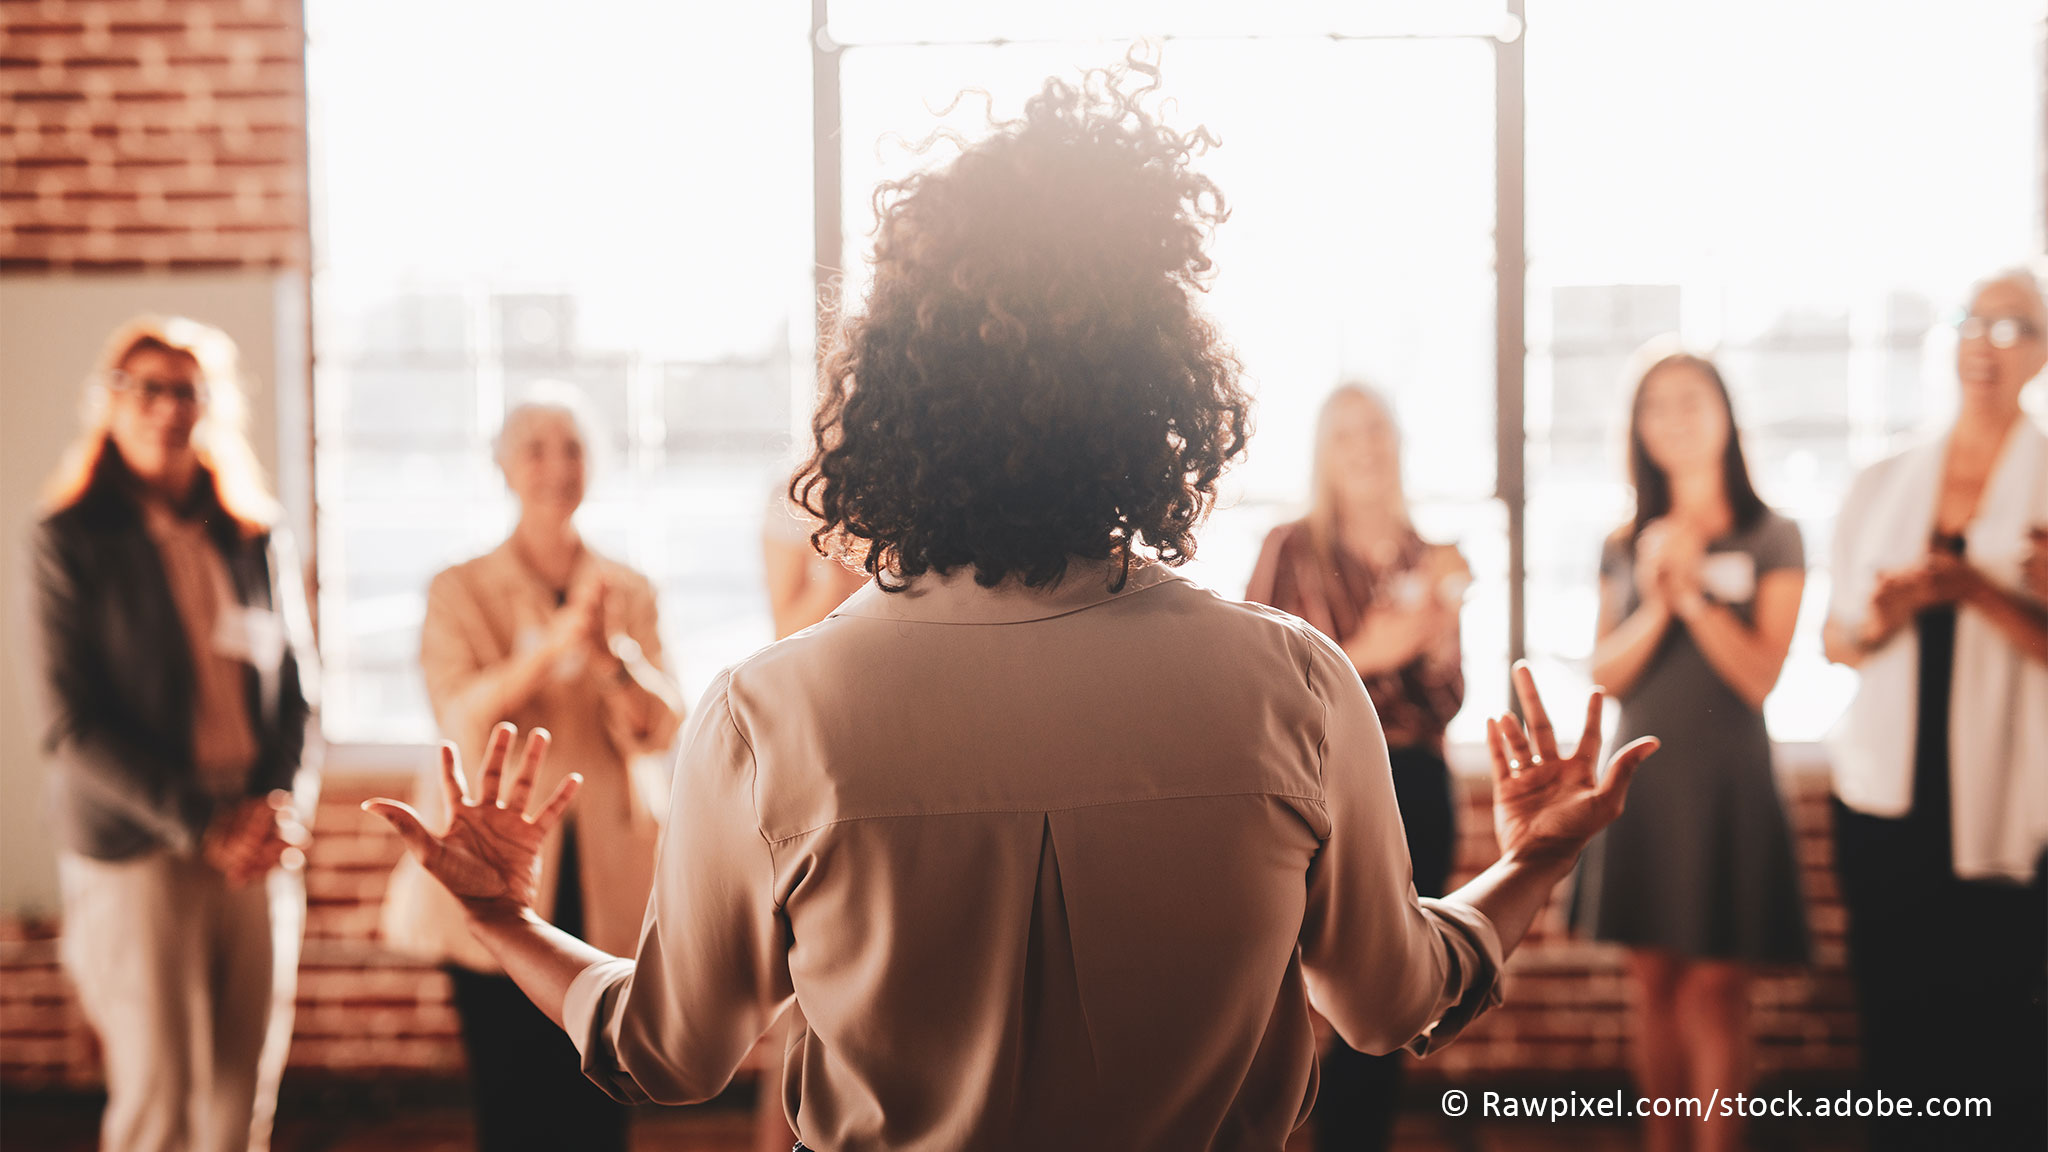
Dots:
(370, 1121)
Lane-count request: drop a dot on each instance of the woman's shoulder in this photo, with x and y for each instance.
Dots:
(1439, 557)
(1288, 536)
(1770, 529)
(466, 579)
(1618, 548)
(622, 577)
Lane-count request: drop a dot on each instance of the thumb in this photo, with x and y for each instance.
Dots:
(406, 822)
(1622, 769)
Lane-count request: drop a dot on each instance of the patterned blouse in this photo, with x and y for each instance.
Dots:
(1415, 701)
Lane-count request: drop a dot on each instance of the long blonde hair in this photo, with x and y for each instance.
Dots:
(220, 439)
(1322, 507)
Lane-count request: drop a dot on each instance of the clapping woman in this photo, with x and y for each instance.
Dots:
(1699, 594)
(1356, 569)
(543, 631)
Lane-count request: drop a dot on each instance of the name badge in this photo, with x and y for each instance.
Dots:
(1728, 577)
(255, 636)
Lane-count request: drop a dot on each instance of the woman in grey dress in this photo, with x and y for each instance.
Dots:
(1699, 595)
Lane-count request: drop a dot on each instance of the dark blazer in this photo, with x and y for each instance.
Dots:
(117, 671)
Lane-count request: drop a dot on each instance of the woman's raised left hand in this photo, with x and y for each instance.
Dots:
(489, 855)
(1546, 803)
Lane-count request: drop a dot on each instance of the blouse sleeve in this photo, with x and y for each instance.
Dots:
(1616, 559)
(1780, 547)
(1850, 578)
(1389, 970)
(448, 660)
(673, 1023)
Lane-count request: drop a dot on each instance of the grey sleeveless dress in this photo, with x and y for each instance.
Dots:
(1700, 862)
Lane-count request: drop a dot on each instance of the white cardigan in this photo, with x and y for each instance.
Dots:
(1998, 709)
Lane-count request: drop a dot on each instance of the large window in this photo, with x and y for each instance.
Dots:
(621, 198)
(1359, 172)
(1805, 189)
(512, 193)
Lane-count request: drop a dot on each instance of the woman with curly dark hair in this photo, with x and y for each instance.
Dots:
(1037, 844)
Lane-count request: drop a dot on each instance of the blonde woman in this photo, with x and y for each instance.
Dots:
(1356, 569)
(178, 661)
(544, 631)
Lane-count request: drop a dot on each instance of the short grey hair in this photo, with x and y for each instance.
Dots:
(553, 398)
(2021, 276)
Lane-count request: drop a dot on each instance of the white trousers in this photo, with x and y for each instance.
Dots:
(189, 984)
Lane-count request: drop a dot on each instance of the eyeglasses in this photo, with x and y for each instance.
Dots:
(2000, 331)
(184, 392)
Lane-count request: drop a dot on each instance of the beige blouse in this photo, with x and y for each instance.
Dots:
(1033, 869)
(479, 614)
(223, 739)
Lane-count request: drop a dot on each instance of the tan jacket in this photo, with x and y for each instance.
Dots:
(479, 614)
(1033, 869)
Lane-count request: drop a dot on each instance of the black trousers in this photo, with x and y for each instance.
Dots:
(526, 1082)
(1360, 1094)
(1948, 976)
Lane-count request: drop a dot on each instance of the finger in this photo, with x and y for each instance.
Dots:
(1498, 748)
(1622, 768)
(406, 822)
(1588, 751)
(495, 751)
(290, 831)
(530, 757)
(558, 802)
(1532, 709)
(1518, 743)
(453, 791)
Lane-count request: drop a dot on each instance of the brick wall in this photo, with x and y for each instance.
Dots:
(145, 134)
(363, 1012)
(1566, 998)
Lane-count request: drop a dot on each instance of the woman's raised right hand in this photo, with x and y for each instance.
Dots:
(489, 853)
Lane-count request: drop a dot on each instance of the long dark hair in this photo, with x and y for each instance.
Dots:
(1653, 487)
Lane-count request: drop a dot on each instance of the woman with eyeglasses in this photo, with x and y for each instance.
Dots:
(1941, 762)
(1699, 595)
(1356, 569)
(177, 658)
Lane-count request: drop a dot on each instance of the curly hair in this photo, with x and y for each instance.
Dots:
(1031, 381)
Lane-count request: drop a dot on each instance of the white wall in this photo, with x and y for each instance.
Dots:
(51, 328)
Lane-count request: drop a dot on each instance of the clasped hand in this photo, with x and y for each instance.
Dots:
(1904, 593)
(1668, 558)
(488, 856)
(258, 833)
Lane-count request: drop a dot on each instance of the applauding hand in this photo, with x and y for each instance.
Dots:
(1546, 804)
(489, 854)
